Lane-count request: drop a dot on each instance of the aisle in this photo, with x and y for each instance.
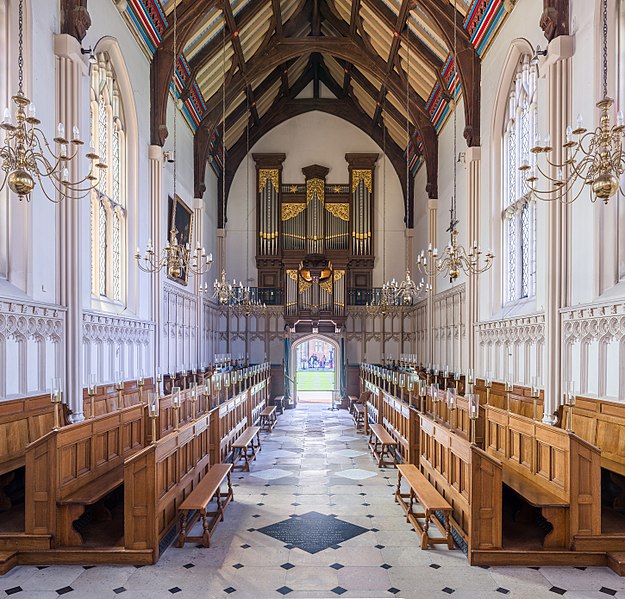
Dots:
(315, 487)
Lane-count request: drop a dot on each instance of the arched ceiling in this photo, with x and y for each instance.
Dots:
(387, 62)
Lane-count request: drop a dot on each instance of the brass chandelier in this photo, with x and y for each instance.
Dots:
(455, 258)
(176, 258)
(596, 158)
(27, 157)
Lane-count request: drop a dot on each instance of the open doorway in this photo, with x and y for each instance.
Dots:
(316, 370)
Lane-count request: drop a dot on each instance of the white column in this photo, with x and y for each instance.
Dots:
(70, 69)
(155, 159)
(558, 68)
(432, 212)
(198, 209)
(473, 158)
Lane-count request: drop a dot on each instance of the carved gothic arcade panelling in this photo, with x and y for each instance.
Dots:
(116, 344)
(32, 346)
(448, 328)
(593, 347)
(179, 335)
(513, 346)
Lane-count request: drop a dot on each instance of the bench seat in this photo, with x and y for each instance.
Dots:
(358, 412)
(430, 501)
(380, 443)
(245, 446)
(72, 506)
(208, 488)
(553, 508)
(268, 418)
(279, 403)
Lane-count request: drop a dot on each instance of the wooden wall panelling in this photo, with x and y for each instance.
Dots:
(469, 479)
(602, 424)
(402, 423)
(158, 479)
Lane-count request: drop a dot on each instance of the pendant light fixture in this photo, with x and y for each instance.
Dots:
(455, 258)
(28, 158)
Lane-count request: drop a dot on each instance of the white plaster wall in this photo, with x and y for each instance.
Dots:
(316, 138)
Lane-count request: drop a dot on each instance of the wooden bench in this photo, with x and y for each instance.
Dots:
(431, 502)
(279, 403)
(552, 508)
(359, 417)
(352, 402)
(73, 506)
(381, 445)
(209, 488)
(268, 418)
(244, 444)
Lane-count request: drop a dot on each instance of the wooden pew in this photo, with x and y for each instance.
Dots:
(108, 399)
(432, 503)
(74, 467)
(402, 423)
(268, 418)
(469, 480)
(245, 446)
(258, 401)
(552, 469)
(521, 401)
(228, 423)
(165, 421)
(208, 488)
(601, 423)
(158, 479)
(381, 443)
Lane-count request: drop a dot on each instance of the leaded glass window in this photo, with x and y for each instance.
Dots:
(519, 210)
(108, 231)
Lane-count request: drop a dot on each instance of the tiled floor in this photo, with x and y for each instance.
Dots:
(312, 462)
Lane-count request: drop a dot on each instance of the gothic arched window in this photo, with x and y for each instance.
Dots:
(108, 200)
(518, 207)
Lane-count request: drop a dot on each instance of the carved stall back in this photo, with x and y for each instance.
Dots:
(158, 479)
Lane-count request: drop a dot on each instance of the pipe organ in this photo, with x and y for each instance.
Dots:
(315, 239)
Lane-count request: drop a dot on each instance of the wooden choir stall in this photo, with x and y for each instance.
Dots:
(519, 492)
(109, 489)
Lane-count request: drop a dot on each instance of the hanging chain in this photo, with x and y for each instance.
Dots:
(455, 71)
(407, 257)
(175, 101)
(605, 47)
(20, 55)
(384, 209)
(223, 124)
(247, 185)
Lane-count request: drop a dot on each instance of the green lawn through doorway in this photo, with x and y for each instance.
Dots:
(315, 381)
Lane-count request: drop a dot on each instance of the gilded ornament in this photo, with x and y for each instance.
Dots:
(293, 189)
(264, 235)
(338, 275)
(361, 235)
(290, 211)
(315, 188)
(365, 175)
(265, 174)
(326, 286)
(339, 210)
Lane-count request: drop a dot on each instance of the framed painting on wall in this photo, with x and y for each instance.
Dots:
(180, 219)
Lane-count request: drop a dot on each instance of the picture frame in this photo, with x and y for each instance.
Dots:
(180, 219)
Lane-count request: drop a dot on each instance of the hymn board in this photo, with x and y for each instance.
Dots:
(315, 240)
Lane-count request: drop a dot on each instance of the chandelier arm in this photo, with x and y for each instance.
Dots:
(45, 192)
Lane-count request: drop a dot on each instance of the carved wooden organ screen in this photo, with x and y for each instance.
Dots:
(315, 240)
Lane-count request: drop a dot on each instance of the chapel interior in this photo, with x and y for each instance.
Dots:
(312, 298)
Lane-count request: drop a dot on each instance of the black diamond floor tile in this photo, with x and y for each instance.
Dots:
(284, 590)
(287, 566)
(238, 566)
(339, 590)
(435, 566)
(175, 590)
(393, 590)
(119, 590)
(557, 590)
(448, 590)
(502, 590)
(189, 566)
(64, 590)
(607, 591)
(336, 566)
(230, 590)
(386, 566)
(13, 590)
(313, 532)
